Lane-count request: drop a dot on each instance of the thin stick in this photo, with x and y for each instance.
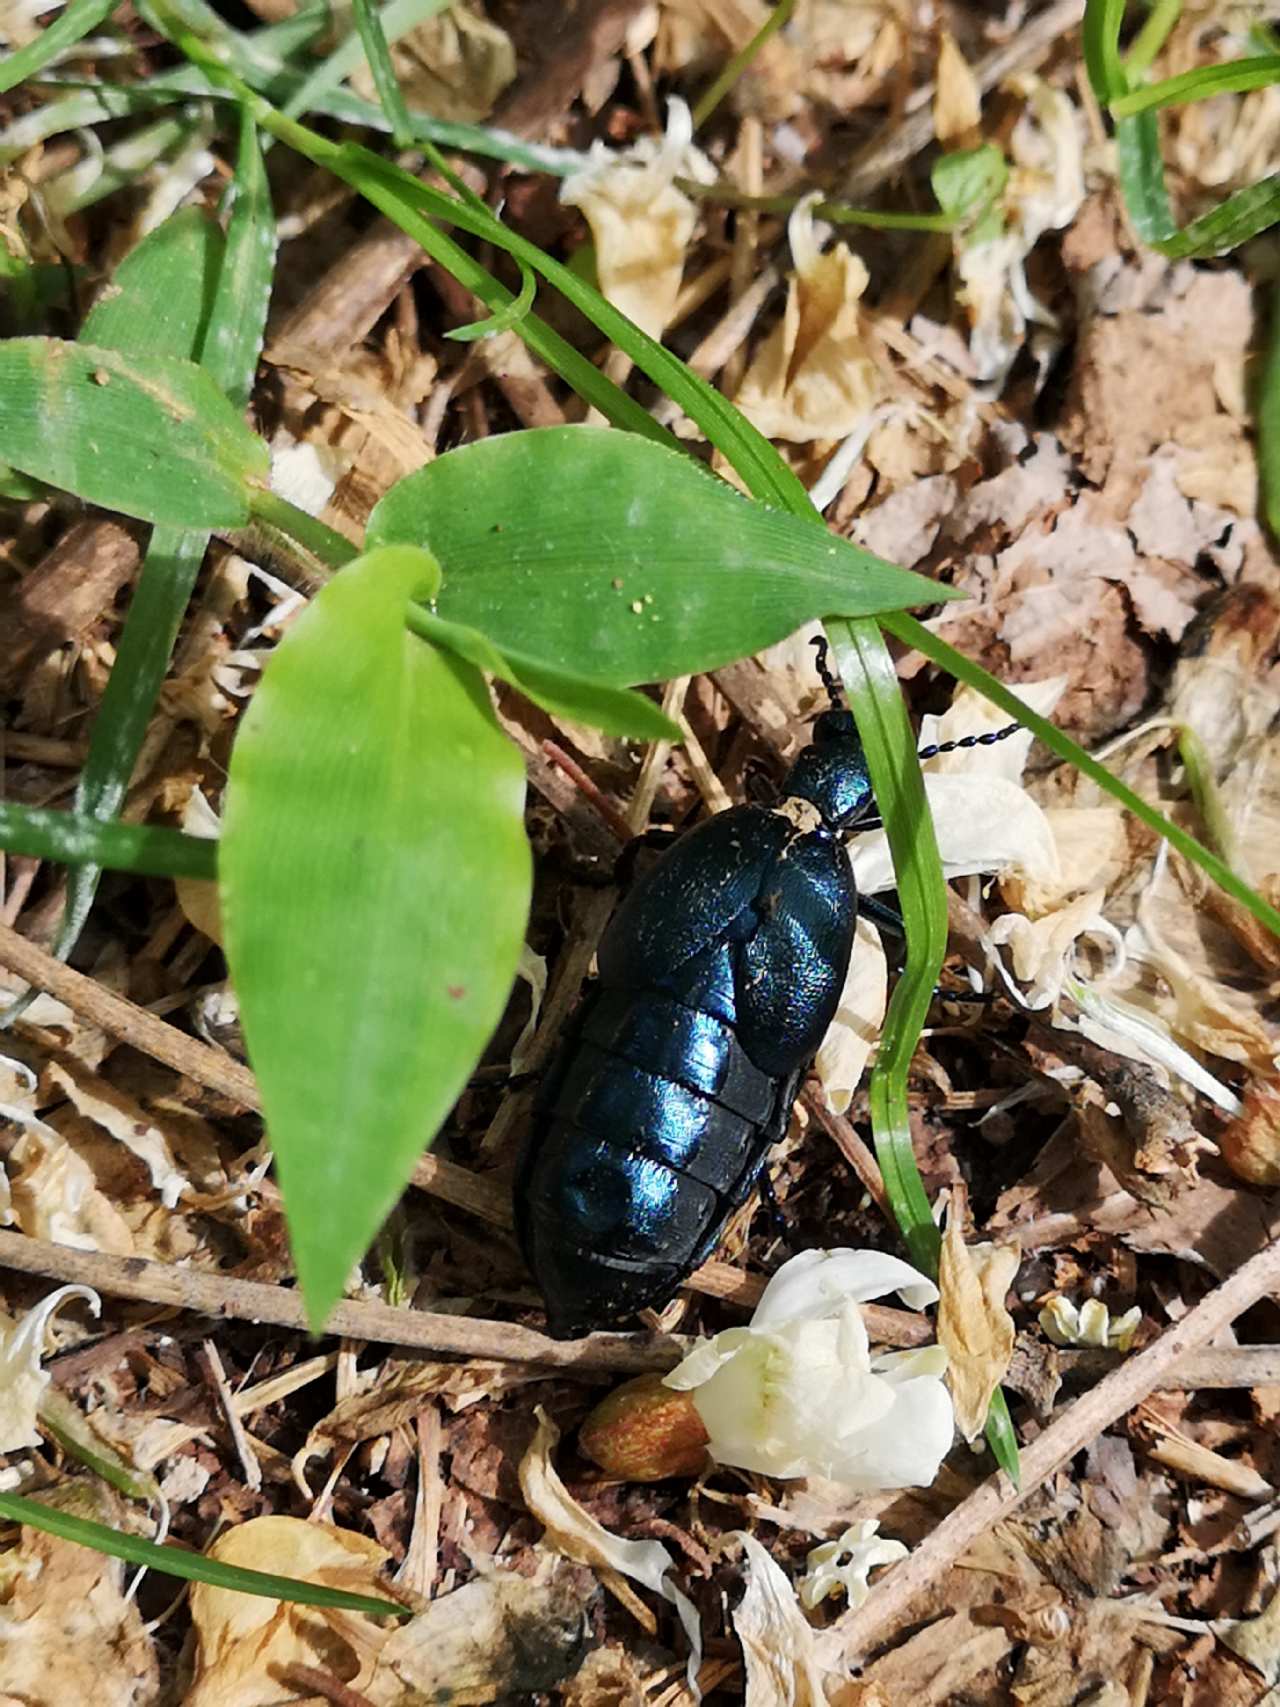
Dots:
(239, 1439)
(125, 1020)
(889, 1605)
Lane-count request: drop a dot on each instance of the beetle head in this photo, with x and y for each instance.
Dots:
(831, 773)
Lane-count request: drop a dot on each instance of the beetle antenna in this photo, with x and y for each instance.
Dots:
(987, 740)
(822, 650)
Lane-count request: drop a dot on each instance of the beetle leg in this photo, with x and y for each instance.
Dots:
(882, 915)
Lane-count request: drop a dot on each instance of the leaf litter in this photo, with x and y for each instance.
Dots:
(1031, 409)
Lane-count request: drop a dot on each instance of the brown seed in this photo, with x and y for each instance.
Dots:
(645, 1432)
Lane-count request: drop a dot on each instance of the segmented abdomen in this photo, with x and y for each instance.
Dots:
(649, 1130)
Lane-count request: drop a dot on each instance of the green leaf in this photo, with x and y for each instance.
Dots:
(161, 295)
(969, 180)
(565, 543)
(375, 882)
(76, 21)
(69, 839)
(1269, 420)
(617, 711)
(506, 319)
(1141, 171)
(1101, 43)
(1237, 76)
(148, 436)
(193, 1567)
(890, 745)
(238, 323)
(378, 58)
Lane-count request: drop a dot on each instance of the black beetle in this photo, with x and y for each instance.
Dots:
(718, 977)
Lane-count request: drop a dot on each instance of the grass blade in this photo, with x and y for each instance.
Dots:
(238, 322)
(378, 58)
(887, 737)
(147, 850)
(1100, 39)
(193, 1567)
(76, 21)
(913, 633)
(741, 62)
(1234, 78)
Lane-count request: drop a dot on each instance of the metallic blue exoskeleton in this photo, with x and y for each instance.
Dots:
(719, 975)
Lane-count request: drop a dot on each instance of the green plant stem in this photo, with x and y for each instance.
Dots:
(835, 213)
(318, 539)
(1101, 42)
(378, 57)
(1235, 78)
(149, 850)
(713, 96)
(1151, 38)
(1204, 791)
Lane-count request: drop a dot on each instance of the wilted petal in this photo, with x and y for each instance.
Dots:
(844, 1565)
(816, 1283)
(904, 1448)
(22, 1380)
(983, 824)
(706, 1357)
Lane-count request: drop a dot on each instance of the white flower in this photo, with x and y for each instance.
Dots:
(846, 1563)
(22, 1380)
(1090, 1325)
(798, 1393)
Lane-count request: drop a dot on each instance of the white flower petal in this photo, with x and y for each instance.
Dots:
(816, 1283)
(705, 1358)
(906, 1446)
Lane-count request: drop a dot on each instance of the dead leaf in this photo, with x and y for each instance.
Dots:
(499, 1637)
(642, 224)
(453, 66)
(974, 1328)
(778, 1643)
(813, 377)
(1256, 1640)
(957, 102)
(67, 1633)
(1250, 1144)
(245, 1641)
(575, 1533)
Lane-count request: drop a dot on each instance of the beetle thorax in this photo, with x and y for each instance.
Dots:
(831, 773)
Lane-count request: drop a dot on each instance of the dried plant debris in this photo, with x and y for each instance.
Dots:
(1030, 407)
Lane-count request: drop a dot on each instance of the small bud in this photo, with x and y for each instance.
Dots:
(645, 1432)
(1251, 1143)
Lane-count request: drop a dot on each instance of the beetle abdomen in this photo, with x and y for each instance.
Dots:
(630, 1170)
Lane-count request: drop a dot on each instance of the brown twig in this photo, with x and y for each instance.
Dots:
(860, 1631)
(125, 1020)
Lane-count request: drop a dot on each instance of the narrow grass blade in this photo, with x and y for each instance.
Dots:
(913, 633)
(396, 19)
(1141, 170)
(1001, 1437)
(1236, 77)
(887, 737)
(1268, 410)
(1101, 43)
(741, 62)
(147, 436)
(1237, 220)
(1154, 33)
(506, 319)
(147, 850)
(76, 21)
(378, 58)
(193, 1567)
(238, 322)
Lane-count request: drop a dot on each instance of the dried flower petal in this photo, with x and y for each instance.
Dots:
(842, 1567)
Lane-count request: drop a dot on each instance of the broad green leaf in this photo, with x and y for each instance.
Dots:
(192, 1567)
(161, 295)
(70, 839)
(571, 543)
(969, 179)
(148, 436)
(617, 711)
(375, 883)
(76, 21)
